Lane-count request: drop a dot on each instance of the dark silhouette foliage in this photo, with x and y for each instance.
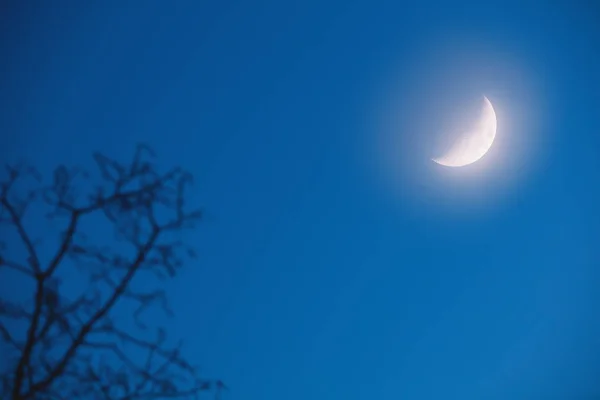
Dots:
(81, 330)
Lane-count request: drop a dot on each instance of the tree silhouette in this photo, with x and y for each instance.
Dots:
(80, 329)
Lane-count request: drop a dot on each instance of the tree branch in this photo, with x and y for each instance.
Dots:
(70, 346)
(16, 267)
(41, 385)
(18, 224)
(31, 332)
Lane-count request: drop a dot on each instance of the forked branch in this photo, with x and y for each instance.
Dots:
(69, 344)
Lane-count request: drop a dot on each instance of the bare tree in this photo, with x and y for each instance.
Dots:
(119, 238)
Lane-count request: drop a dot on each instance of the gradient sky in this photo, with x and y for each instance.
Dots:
(316, 278)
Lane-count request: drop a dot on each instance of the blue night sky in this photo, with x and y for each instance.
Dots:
(324, 273)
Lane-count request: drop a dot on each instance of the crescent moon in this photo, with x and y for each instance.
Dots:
(472, 144)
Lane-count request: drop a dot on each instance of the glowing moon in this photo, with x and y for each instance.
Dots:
(472, 144)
